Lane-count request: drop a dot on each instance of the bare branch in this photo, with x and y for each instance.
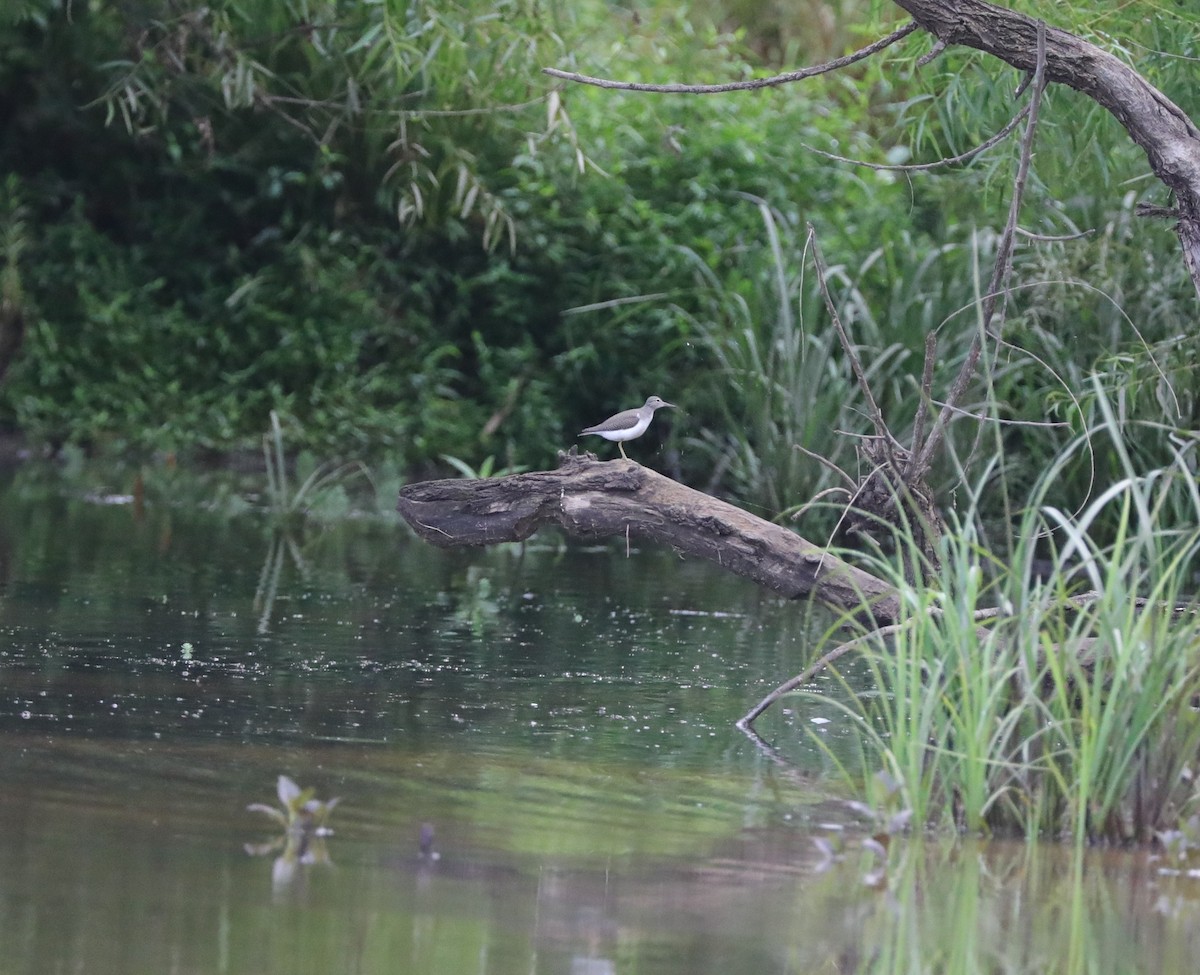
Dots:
(1150, 210)
(746, 721)
(937, 163)
(931, 55)
(926, 390)
(996, 292)
(1161, 128)
(860, 375)
(752, 85)
(983, 418)
(1054, 238)
(825, 461)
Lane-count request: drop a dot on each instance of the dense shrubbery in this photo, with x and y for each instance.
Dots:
(224, 216)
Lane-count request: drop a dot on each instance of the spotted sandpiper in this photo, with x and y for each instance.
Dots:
(628, 424)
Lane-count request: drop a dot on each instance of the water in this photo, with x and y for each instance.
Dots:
(560, 716)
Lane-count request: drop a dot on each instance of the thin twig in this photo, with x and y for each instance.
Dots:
(827, 463)
(876, 414)
(930, 55)
(937, 163)
(1152, 210)
(1002, 421)
(812, 503)
(854, 434)
(1054, 238)
(755, 83)
(996, 291)
(615, 303)
(926, 390)
(854, 496)
(747, 720)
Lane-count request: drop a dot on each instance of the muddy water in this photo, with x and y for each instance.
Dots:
(557, 719)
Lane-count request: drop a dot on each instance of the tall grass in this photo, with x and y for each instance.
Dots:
(779, 379)
(777, 382)
(1055, 701)
(320, 489)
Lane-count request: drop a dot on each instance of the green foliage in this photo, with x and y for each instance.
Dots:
(771, 363)
(807, 30)
(1053, 701)
(237, 253)
(120, 351)
(413, 106)
(13, 242)
(298, 808)
(383, 223)
(486, 469)
(319, 488)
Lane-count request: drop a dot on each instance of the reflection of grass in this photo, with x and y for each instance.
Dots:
(979, 910)
(553, 801)
(1067, 711)
(319, 491)
(282, 543)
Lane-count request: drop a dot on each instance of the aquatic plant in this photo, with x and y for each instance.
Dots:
(304, 819)
(1050, 690)
(321, 487)
(298, 809)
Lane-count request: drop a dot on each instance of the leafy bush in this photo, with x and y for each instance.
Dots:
(386, 225)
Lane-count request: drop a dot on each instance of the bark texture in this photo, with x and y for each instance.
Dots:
(1169, 138)
(594, 499)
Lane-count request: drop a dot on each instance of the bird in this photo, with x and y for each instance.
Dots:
(628, 423)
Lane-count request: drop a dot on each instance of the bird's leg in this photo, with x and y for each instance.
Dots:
(621, 447)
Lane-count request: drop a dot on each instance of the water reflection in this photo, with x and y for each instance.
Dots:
(554, 723)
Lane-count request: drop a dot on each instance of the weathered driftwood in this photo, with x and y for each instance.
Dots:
(594, 499)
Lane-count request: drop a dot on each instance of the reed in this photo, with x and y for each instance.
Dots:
(318, 489)
(1053, 691)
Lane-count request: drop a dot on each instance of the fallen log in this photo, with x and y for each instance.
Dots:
(589, 498)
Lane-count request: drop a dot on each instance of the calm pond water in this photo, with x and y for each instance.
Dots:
(559, 716)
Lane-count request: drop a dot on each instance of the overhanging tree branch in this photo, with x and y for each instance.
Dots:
(782, 79)
(997, 291)
(1168, 136)
(1161, 128)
